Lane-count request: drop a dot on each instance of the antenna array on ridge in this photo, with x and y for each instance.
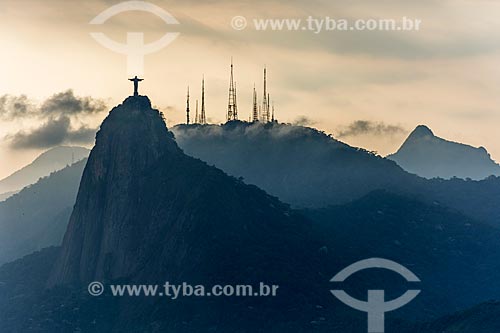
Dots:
(260, 112)
(187, 107)
(232, 109)
(255, 113)
(203, 117)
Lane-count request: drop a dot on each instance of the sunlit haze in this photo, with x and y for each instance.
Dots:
(445, 75)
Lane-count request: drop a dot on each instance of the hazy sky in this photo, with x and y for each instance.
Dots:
(446, 75)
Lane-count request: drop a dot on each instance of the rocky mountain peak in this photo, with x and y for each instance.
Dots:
(430, 156)
(145, 210)
(130, 142)
(421, 131)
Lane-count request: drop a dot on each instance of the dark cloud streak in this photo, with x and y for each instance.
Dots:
(55, 115)
(60, 104)
(303, 121)
(12, 107)
(52, 133)
(365, 127)
(67, 103)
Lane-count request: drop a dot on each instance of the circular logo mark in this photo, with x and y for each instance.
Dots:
(239, 23)
(96, 289)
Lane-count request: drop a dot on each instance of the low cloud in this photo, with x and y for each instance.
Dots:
(54, 132)
(13, 107)
(365, 127)
(303, 121)
(67, 103)
(61, 104)
(56, 115)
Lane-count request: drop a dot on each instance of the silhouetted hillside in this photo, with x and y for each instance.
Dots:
(166, 214)
(483, 318)
(146, 212)
(52, 160)
(429, 156)
(21, 285)
(307, 168)
(456, 257)
(6, 195)
(37, 216)
(300, 165)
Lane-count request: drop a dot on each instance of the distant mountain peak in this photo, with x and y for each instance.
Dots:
(430, 156)
(54, 159)
(130, 142)
(145, 208)
(421, 131)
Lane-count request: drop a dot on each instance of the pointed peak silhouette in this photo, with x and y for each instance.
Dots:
(144, 208)
(430, 156)
(421, 131)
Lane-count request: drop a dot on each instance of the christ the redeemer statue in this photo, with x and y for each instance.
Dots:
(136, 81)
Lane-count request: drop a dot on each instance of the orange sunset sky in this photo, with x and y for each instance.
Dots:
(446, 75)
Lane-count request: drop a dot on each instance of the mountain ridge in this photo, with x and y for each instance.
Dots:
(430, 156)
(146, 212)
(37, 216)
(309, 169)
(54, 159)
(146, 187)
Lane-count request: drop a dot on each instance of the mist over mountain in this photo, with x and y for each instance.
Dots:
(50, 161)
(37, 216)
(429, 156)
(307, 168)
(300, 165)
